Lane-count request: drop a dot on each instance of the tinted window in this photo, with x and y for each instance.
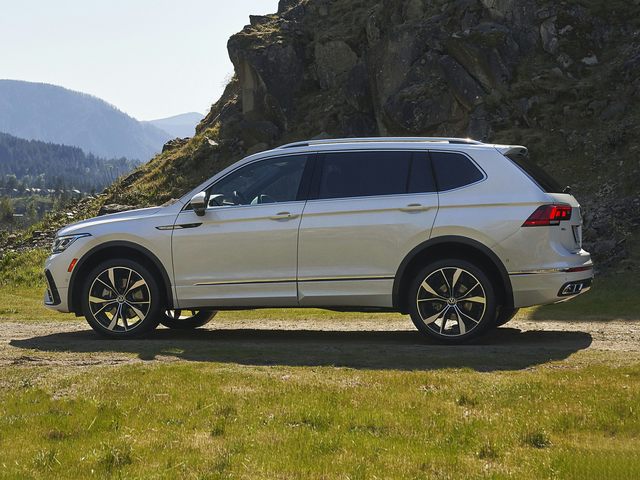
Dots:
(454, 170)
(359, 174)
(266, 181)
(542, 178)
(421, 177)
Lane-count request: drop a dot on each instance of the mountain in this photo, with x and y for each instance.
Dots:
(49, 113)
(31, 163)
(183, 125)
(562, 78)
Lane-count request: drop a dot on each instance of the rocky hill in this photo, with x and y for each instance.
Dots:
(562, 78)
(38, 111)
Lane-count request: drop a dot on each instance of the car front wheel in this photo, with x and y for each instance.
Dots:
(505, 315)
(121, 299)
(186, 319)
(452, 301)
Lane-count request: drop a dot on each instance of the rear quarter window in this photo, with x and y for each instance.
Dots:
(545, 181)
(454, 170)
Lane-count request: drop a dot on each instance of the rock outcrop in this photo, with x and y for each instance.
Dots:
(562, 78)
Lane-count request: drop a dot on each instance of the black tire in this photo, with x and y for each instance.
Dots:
(505, 315)
(430, 298)
(128, 299)
(180, 320)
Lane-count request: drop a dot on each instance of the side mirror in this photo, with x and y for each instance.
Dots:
(199, 203)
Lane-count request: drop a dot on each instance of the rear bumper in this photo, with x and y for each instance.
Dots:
(543, 287)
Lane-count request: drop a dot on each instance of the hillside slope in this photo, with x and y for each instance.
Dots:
(38, 111)
(561, 78)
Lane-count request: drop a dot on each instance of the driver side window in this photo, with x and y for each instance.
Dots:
(267, 181)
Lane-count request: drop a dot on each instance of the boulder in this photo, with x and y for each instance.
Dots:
(333, 61)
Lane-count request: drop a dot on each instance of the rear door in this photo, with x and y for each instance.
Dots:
(367, 210)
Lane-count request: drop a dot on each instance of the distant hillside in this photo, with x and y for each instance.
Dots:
(39, 111)
(183, 125)
(31, 163)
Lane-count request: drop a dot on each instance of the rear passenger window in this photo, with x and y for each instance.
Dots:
(361, 174)
(454, 170)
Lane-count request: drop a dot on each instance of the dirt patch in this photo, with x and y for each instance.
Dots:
(366, 343)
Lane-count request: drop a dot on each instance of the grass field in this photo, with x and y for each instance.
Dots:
(209, 420)
(309, 406)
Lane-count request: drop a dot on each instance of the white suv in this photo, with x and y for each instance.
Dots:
(457, 233)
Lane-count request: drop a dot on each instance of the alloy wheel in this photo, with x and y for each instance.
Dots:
(119, 299)
(451, 301)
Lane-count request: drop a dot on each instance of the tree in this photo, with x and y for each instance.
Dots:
(10, 182)
(6, 209)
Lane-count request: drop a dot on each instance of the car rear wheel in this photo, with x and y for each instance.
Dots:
(452, 301)
(121, 299)
(186, 319)
(505, 315)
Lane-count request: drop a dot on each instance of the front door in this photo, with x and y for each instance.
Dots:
(243, 251)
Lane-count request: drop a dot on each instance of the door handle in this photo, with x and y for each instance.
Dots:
(414, 207)
(283, 216)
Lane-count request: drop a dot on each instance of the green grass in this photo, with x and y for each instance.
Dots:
(22, 288)
(23, 269)
(22, 304)
(212, 420)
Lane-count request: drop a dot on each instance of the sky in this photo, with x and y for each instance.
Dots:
(149, 58)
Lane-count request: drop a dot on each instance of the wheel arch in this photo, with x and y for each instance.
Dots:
(456, 247)
(114, 249)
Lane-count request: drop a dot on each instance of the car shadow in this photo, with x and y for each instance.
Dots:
(502, 349)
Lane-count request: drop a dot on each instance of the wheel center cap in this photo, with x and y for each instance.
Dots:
(120, 299)
(452, 301)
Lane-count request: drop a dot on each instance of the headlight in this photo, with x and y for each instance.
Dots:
(60, 244)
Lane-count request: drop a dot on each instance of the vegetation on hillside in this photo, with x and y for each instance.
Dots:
(37, 176)
(31, 166)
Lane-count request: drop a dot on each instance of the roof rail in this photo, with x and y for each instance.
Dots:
(329, 141)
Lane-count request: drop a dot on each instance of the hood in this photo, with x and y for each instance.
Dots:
(85, 226)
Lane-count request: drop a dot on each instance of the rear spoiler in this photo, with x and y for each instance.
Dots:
(512, 150)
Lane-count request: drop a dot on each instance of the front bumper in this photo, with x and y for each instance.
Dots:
(540, 288)
(57, 283)
(51, 295)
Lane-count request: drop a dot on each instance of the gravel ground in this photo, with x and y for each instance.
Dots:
(367, 343)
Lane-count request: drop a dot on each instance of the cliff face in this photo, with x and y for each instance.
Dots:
(562, 78)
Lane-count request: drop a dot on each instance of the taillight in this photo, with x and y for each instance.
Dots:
(548, 215)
